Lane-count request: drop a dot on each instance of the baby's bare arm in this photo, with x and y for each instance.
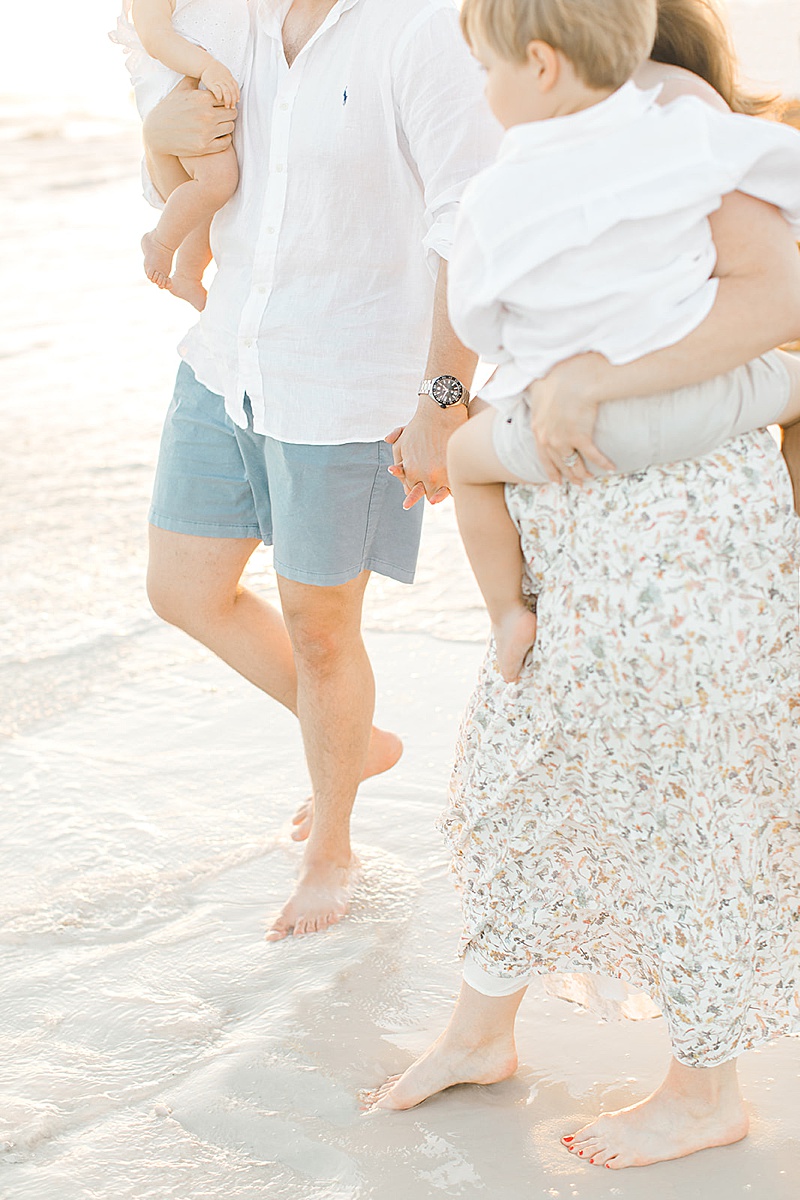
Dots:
(152, 20)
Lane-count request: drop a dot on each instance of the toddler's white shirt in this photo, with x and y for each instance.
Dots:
(591, 233)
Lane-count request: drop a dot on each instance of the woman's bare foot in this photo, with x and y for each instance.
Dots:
(683, 1116)
(514, 638)
(185, 287)
(447, 1063)
(322, 897)
(157, 261)
(385, 750)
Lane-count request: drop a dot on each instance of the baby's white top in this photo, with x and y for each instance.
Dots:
(591, 231)
(222, 27)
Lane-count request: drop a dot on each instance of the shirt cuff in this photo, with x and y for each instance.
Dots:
(438, 241)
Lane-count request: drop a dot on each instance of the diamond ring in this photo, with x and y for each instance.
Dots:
(569, 460)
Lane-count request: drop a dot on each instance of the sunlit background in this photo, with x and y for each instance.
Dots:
(149, 1048)
(55, 56)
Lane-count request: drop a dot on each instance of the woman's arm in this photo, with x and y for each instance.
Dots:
(757, 308)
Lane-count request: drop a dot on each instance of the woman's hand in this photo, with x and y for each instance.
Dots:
(188, 122)
(563, 415)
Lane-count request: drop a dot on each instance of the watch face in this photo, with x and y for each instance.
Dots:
(447, 390)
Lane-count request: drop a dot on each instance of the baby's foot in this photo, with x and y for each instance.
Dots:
(514, 637)
(157, 261)
(185, 287)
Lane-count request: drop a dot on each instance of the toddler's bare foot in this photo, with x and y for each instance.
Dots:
(667, 1125)
(444, 1065)
(384, 752)
(157, 261)
(514, 638)
(187, 288)
(322, 897)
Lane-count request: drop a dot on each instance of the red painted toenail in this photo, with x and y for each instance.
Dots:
(609, 1166)
(568, 1139)
(581, 1153)
(591, 1160)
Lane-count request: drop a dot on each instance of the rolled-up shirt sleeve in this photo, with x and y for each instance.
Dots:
(444, 124)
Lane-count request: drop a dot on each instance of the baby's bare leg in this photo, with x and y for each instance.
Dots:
(477, 478)
(194, 255)
(212, 181)
(790, 420)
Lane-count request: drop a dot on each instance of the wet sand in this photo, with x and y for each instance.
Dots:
(151, 1044)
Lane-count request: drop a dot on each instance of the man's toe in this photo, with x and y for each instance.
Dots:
(279, 930)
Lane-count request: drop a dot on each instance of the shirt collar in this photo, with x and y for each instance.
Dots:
(271, 14)
(620, 108)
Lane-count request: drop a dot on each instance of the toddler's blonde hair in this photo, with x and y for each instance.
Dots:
(605, 40)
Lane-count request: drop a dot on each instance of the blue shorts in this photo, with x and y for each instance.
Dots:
(330, 512)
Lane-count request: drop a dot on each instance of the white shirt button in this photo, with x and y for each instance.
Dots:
(280, 168)
(270, 229)
(284, 107)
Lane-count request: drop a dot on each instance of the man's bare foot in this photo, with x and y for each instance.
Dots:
(157, 261)
(514, 637)
(669, 1124)
(322, 897)
(185, 287)
(385, 750)
(445, 1064)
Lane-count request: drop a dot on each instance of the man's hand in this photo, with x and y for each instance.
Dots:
(563, 415)
(420, 451)
(188, 122)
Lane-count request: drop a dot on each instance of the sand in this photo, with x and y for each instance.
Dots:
(151, 1044)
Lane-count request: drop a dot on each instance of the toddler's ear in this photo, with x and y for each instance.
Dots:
(546, 63)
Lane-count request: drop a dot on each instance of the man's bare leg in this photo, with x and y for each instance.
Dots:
(194, 583)
(477, 1047)
(335, 703)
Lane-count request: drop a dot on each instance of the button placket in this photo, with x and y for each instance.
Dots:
(272, 212)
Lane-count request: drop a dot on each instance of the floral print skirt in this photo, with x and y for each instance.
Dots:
(630, 807)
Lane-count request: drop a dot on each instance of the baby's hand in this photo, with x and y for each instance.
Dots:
(221, 83)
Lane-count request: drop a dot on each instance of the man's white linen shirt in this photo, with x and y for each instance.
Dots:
(591, 231)
(352, 163)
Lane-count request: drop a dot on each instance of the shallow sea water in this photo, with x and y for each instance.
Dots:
(151, 1045)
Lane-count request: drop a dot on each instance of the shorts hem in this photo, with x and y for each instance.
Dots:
(337, 578)
(206, 528)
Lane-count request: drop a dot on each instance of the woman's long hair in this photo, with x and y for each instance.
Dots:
(692, 34)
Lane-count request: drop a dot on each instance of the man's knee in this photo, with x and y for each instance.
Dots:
(168, 602)
(324, 624)
(317, 645)
(186, 605)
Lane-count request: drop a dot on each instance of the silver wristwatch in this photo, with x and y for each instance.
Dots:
(445, 390)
